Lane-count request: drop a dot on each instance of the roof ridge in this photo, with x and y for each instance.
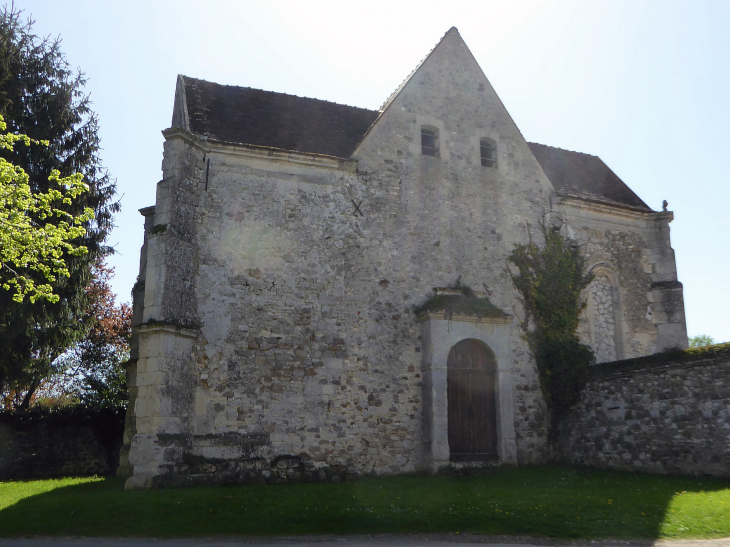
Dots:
(276, 93)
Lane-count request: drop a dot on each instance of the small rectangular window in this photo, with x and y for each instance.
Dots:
(429, 141)
(488, 152)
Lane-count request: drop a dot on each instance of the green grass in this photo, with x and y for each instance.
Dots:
(534, 501)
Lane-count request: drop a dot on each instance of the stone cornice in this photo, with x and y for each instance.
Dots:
(614, 210)
(261, 152)
(169, 328)
(147, 211)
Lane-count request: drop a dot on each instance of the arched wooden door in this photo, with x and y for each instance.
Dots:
(471, 367)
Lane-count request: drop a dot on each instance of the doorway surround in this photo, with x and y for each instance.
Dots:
(441, 329)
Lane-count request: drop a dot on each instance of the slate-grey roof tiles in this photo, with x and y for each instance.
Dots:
(585, 177)
(242, 115)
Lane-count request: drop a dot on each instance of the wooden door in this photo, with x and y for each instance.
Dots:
(471, 372)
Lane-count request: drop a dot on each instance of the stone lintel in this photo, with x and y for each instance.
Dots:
(445, 314)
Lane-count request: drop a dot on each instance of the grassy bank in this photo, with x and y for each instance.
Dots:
(541, 501)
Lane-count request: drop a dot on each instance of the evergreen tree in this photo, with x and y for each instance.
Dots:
(42, 97)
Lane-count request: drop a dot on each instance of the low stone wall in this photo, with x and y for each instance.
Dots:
(59, 444)
(666, 413)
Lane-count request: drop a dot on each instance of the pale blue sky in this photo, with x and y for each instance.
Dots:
(644, 85)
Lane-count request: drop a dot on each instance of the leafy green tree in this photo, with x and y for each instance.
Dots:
(551, 280)
(26, 245)
(700, 341)
(41, 97)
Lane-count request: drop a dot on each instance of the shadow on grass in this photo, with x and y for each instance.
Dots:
(559, 502)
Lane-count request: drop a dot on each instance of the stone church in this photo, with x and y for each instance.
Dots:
(323, 289)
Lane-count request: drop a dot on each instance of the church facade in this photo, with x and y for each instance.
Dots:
(323, 289)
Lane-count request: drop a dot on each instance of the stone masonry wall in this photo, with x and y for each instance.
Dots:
(598, 325)
(279, 338)
(666, 413)
(307, 272)
(631, 257)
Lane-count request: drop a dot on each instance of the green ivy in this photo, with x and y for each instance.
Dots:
(551, 280)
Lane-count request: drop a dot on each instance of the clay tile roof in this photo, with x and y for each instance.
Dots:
(242, 115)
(584, 176)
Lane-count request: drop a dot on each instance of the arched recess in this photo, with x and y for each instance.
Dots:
(604, 314)
(471, 394)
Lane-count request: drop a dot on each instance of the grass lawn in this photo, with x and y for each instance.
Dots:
(558, 502)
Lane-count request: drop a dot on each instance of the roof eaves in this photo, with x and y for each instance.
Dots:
(603, 201)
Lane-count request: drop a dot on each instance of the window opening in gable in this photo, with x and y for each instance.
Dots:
(429, 141)
(488, 152)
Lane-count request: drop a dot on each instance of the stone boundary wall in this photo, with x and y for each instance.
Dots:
(665, 413)
(77, 444)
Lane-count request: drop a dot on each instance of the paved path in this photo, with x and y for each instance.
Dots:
(419, 540)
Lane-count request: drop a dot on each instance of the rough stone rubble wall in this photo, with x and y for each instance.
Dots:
(667, 413)
(43, 447)
(601, 311)
(304, 339)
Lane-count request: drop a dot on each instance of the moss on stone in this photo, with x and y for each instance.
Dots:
(708, 350)
(466, 303)
(705, 355)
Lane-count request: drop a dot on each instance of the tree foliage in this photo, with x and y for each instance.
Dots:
(26, 245)
(701, 341)
(41, 97)
(94, 368)
(551, 280)
(91, 372)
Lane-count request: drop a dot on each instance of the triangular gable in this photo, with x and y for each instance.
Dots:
(452, 37)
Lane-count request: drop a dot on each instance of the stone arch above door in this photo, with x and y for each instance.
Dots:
(439, 336)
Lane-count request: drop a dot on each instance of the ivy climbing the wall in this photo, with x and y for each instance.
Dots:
(550, 280)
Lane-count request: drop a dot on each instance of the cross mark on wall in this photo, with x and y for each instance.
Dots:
(357, 208)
